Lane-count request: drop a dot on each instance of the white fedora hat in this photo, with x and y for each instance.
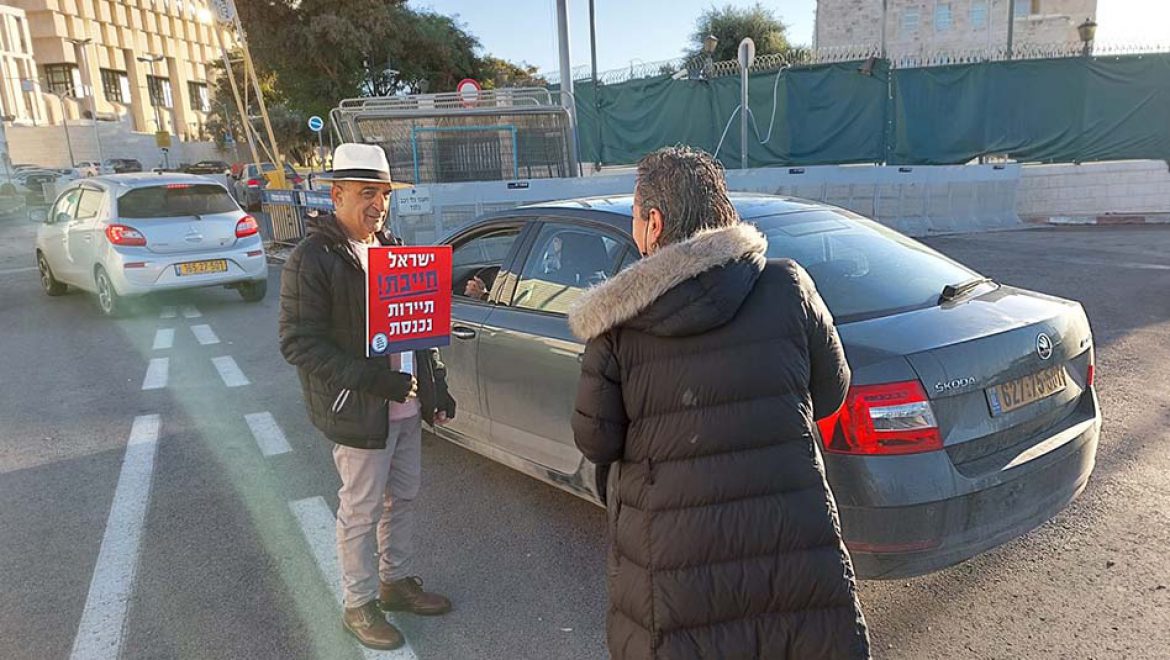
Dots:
(360, 162)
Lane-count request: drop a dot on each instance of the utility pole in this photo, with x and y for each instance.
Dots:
(158, 127)
(567, 98)
(596, 89)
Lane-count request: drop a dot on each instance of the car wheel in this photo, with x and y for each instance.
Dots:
(109, 302)
(254, 292)
(50, 283)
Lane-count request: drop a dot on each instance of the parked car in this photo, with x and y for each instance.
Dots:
(34, 182)
(209, 167)
(122, 165)
(249, 185)
(971, 419)
(93, 168)
(121, 236)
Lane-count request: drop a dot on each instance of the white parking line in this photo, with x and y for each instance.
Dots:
(319, 527)
(267, 433)
(205, 335)
(230, 372)
(168, 313)
(164, 338)
(157, 374)
(189, 312)
(103, 621)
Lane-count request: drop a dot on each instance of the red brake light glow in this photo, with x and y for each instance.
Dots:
(887, 419)
(247, 226)
(253, 183)
(179, 186)
(125, 236)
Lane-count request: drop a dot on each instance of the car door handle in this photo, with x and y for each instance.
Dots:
(462, 332)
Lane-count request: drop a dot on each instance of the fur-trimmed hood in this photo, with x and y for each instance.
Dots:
(682, 289)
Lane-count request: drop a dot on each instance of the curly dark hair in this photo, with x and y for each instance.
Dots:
(687, 186)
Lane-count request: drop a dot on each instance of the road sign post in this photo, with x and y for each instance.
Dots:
(316, 124)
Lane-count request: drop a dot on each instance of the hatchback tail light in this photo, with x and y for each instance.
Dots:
(1091, 375)
(247, 226)
(125, 235)
(253, 183)
(887, 419)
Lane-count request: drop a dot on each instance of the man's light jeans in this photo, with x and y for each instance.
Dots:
(378, 487)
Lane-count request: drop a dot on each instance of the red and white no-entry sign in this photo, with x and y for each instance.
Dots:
(468, 90)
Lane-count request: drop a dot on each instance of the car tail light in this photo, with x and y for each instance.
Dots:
(247, 226)
(125, 236)
(1091, 375)
(253, 183)
(134, 264)
(887, 419)
(255, 253)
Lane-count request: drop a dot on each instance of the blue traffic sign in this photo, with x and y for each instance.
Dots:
(316, 123)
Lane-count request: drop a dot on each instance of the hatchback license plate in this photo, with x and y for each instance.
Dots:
(202, 267)
(1018, 393)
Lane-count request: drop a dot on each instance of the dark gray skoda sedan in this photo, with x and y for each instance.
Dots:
(972, 416)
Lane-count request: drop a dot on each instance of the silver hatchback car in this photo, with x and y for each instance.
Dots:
(131, 234)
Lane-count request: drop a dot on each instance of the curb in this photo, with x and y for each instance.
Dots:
(1104, 220)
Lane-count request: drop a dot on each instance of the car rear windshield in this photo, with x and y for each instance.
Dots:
(174, 201)
(861, 268)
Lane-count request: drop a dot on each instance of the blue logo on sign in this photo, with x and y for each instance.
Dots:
(316, 123)
(379, 343)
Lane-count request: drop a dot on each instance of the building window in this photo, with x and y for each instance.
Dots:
(200, 102)
(20, 35)
(910, 19)
(979, 14)
(114, 84)
(160, 91)
(63, 79)
(1026, 8)
(942, 18)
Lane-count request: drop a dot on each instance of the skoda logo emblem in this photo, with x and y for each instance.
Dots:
(1043, 346)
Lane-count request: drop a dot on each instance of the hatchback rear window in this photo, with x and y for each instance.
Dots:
(174, 201)
(861, 268)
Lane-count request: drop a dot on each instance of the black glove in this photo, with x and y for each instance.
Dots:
(397, 386)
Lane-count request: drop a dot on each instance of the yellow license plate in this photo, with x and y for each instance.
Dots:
(202, 267)
(1029, 389)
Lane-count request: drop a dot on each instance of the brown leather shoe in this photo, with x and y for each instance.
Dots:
(370, 627)
(407, 595)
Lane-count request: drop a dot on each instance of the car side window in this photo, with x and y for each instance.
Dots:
(64, 208)
(564, 262)
(89, 205)
(477, 261)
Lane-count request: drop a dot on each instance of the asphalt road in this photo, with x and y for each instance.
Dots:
(227, 563)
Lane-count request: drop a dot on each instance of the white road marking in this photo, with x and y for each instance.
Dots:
(230, 372)
(14, 271)
(164, 338)
(168, 313)
(157, 374)
(189, 312)
(103, 621)
(268, 435)
(319, 527)
(205, 335)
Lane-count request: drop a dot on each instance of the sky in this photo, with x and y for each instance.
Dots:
(640, 31)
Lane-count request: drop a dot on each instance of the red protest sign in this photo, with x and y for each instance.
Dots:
(408, 299)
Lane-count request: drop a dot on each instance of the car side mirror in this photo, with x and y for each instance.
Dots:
(38, 215)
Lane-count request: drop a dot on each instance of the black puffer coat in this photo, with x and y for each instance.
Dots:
(323, 334)
(705, 369)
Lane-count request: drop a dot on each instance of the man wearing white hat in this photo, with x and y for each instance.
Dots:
(373, 409)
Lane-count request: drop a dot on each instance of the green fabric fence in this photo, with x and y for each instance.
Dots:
(1055, 110)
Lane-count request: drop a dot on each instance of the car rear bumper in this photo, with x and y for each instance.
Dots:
(245, 264)
(888, 542)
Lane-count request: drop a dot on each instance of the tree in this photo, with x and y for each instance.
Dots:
(731, 24)
(288, 124)
(496, 73)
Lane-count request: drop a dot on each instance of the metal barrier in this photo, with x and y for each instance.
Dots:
(284, 213)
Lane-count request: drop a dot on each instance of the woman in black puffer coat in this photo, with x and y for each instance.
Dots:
(705, 370)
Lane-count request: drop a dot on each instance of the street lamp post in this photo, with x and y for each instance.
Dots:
(158, 128)
(81, 45)
(1087, 32)
(65, 123)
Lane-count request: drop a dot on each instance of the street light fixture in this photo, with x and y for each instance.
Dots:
(81, 45)
(1088, 32)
